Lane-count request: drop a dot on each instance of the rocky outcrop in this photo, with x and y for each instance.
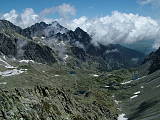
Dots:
(35, 30)
(8, 45)
(153, 61)
(44, 103)
(44, 30)
(29, 50)
(82, 37)
(7, 26)
(41, 54)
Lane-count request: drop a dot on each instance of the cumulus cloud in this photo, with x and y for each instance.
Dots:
(63, 10)
(146, 1)
(12, 15)
(28, 17)
(150, 2)
(118, 28)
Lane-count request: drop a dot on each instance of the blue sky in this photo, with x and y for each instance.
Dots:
(90, 8)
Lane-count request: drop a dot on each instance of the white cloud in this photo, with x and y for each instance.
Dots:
(12, 15)
(63, 10)
(25, 19)
(150, 2)
(146, 1)
(28, 17)
(118, 28)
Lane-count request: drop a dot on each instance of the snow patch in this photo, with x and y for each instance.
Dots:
(42, 37)
(142, 87)
(138, 92)
(117, 102)
(35, 37)
(126, 82)
(26, 61)
(4, 57)
(122, 117)
(56, 75)
(3, 83)
(12, 72)
(158, 86)
(133, 96)
(95, 75)
(65, 58)
(6, 64)
(107, 86)
(140, 78)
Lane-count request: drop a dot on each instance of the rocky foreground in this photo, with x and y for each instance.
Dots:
(44, 103)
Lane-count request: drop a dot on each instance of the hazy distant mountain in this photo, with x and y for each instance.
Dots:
(145, 46)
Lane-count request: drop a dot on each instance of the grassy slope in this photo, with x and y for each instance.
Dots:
(145, 107)
(76, 81)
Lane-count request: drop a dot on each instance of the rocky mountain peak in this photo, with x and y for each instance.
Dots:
(157, 52)
(6, 25)
(55, 23)
(44, 29)
(78, 30)
(55, 28)
(35, 30)
(82, 36)
(41, 25)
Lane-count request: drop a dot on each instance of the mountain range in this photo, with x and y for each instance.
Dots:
(50, 43)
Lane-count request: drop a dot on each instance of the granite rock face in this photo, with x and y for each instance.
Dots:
(13, 43)
(6, 25)
(44, 30)
(8, 45)
(43, 103)
(41, 54)
(153, 61)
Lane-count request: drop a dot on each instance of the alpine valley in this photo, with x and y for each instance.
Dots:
(48, 72)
